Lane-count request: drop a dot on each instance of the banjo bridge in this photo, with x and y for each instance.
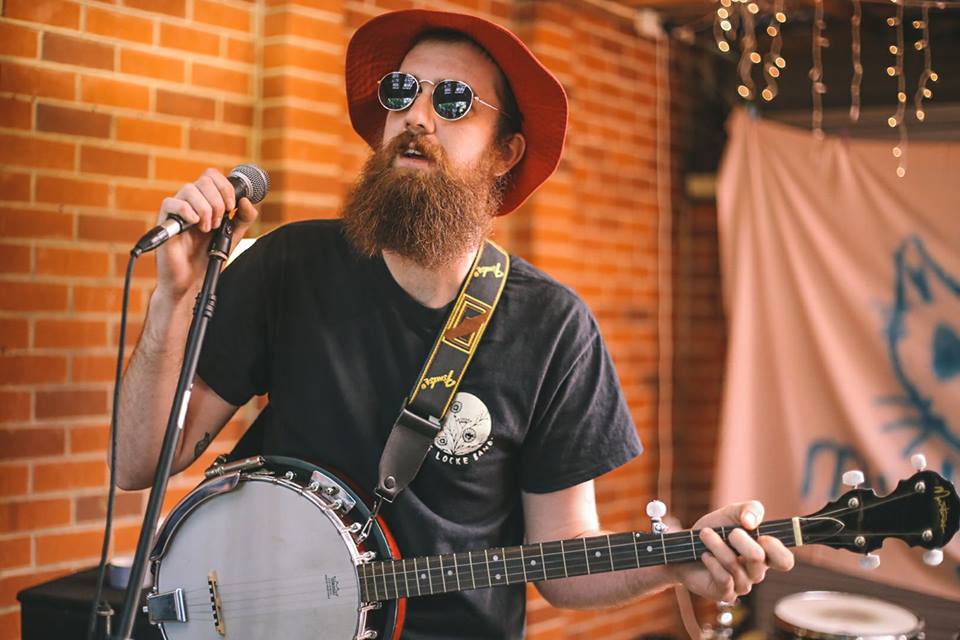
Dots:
(216, 605)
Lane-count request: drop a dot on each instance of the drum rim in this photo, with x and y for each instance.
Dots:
(808, 634)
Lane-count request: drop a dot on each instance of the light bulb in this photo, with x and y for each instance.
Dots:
(723, 45)
(755, 57)
(744, 91)
(897, 152)
(892, 122)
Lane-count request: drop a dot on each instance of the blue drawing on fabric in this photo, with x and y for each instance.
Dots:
(842, 454)
(923, 289)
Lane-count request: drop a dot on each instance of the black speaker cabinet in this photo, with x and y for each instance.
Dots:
(60, 609)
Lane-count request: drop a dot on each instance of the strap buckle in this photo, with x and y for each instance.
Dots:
(425, 427)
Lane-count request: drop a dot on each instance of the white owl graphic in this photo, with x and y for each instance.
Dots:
(466, 427)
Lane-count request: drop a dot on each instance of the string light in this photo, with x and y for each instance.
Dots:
(722, 25)
(749, 55)
(923, 44)
(857, 80)
(897, 120)
(774, 61)
(817, 87)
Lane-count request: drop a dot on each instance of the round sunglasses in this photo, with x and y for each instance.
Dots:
(452, 99)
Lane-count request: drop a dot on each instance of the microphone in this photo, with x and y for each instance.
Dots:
(249, 181)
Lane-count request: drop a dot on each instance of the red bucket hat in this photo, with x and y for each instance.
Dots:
(378, 47)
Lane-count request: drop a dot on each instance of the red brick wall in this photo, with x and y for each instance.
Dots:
(106, 107)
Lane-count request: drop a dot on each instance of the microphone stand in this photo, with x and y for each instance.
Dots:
(202, 312)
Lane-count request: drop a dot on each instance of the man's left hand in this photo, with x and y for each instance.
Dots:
(730, 569)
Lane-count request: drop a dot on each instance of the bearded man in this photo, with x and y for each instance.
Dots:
(332, 320)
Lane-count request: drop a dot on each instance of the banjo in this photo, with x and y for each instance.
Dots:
(276, 547)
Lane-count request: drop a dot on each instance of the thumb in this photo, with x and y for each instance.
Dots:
(750, 514)
(246, 215)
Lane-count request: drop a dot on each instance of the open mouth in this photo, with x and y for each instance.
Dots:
(413, 157)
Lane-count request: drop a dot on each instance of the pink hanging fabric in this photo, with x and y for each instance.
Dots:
(842, 290)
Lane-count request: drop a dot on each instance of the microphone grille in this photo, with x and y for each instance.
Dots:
(257, 178)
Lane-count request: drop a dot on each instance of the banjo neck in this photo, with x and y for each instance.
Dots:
(922, 511)
(539, 561)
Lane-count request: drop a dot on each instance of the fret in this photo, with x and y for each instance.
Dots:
(406, 578)
(473, 578)
(623, 551)
(610, 550)
(456, 572)
(576, 563)
(486, 557)
(443, 578)
(498, 575)
(396, 587)
(503, 560)
(513, 564)
(429, 577)
(663, 548)
(416, 574)
(440, 571)
(563, 554)
(523, 564)
(537, 567)
(636, 546)
(364, 588)
(723, 533)
(586, 556)
(386, 592)
(373, 572)
(693, 545)
(554, 565)
(598, 554)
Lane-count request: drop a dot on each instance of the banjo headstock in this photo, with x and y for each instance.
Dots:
(923, 511)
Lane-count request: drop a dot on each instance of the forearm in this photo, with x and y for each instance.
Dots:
(601, 590)
(148, 388)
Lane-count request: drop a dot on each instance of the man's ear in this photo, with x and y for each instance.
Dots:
(511, 152)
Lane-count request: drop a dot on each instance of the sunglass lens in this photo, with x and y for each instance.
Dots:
(452, 99)
(397, 91)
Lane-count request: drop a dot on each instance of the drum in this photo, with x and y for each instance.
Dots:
(830, 615)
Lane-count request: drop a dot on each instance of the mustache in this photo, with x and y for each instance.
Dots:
(407, 139)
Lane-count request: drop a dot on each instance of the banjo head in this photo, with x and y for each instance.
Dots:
(278, 558)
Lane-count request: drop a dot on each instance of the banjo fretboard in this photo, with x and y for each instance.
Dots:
(427, 575)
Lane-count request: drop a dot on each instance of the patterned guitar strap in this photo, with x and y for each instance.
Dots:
(421, 418)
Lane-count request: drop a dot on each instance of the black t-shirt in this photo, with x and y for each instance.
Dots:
(337, 344)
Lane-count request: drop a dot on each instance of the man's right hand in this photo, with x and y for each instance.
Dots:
(182, 260)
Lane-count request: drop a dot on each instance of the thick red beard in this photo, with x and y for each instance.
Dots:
(431, 216)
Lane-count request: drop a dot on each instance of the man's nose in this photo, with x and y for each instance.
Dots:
(420, 114)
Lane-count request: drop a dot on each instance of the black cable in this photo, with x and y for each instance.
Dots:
(111, 494)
